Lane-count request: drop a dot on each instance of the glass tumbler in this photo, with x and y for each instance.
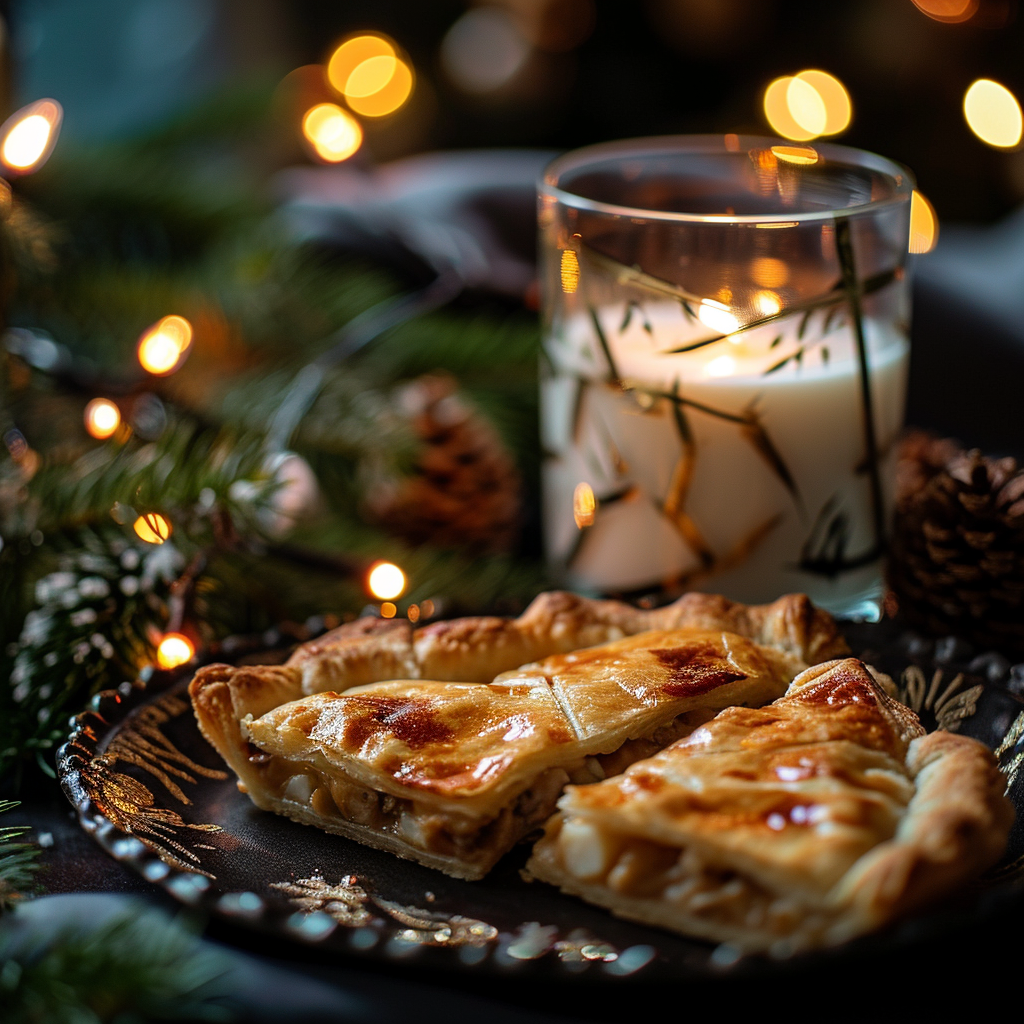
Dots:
(725, 361)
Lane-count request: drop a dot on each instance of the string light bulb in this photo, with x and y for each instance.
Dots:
(385, 581)
(102, 418)
(332, 133)
(153, 528)
(163, 346)
(173, 650)
(29, 136)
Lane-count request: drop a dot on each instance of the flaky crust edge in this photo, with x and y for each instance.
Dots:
(373, 649)
(222, 695)
(956, 826)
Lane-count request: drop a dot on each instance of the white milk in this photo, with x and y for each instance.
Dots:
(738, 511)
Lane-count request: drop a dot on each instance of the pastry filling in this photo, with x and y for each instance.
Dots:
(642, 870)
(420, 825)
(470, 839)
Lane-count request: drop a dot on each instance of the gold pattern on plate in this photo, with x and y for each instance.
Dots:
(1012, 767)
(129, 804)
(950, 706)
(349, 903)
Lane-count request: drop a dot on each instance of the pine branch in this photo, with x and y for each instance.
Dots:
(17, 861)
(138, 966)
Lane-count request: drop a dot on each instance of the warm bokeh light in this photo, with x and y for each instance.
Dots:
(776, 110)
(385, 581)
(163, 345)
(174, 650)
(390, 95)
(806, 106)
(388, 610)
(924, 225)
(367, 70)
(950, 11)
(152, 528)
(570, 271)
(584, 505)
(371, 76)
(352, 53)
(334, 134)
(716, 315)
(767, 303)
(803, 106)
(102, 418)
(796, 154)
(413, 613)
(769, 271)
(993, 113)
(723, 366)
(29, 136)
(838, 108)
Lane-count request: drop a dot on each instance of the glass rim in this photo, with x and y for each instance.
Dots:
(901, 176)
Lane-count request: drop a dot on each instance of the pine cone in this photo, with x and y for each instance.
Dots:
(957, 558)
(465, 490)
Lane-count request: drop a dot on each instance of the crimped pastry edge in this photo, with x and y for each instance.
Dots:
(956, 826)
(373, 650)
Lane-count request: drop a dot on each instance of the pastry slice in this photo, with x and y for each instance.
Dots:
(452, 772)
(804, 823)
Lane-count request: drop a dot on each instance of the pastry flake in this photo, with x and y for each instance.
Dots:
(450, 743)
(819, 817)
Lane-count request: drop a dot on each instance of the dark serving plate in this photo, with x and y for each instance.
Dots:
(156, 797)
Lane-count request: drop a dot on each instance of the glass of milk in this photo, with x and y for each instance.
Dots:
(725, 361)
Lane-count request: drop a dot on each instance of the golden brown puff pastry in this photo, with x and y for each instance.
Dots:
(804, 823)
(453, 771)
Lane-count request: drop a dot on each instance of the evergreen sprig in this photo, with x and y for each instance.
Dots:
(17, 861)
(138, 966)
(115, 238)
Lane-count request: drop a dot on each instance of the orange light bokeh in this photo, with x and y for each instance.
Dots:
(993, 114)
(29, 136)
(386, 99)
(924, 225)
(163, 345)
(102, 418)
(334, 134)
(949, 11)
(153, 528)
(584, 505)
(807, 105)
(838, 108)
(351, 53)
(776, 110)
(385, 581)
(570, 271)
(370, 73)
(173, 650)
(805, 155)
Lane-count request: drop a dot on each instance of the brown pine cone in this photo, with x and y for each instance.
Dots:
(956, 563)
(465, 490)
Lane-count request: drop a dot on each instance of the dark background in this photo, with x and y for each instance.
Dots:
(594, 71)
